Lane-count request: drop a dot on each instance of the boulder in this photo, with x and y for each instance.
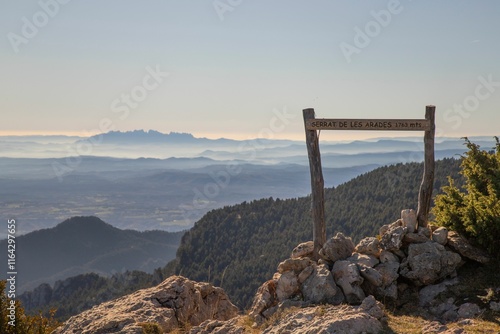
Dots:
(409, 218)
(320, 287)
(393, 239)
(373, 307)
(337, 248)
(390, 291)
(304, 274)
(415, 238)
(304, 249)
(381, 280)
(427, 294)
(327, 319)
(429, 262)
(383, 230)
(264, 298)
(469, 310)
(295, 264)
(386, 256)
(440, 235)
(371, 275)
(494, 306)
(175, 301)
(347, 276)
(287, 286)
(362, 259)
(464, 248)
(389, 272)
(368, 246)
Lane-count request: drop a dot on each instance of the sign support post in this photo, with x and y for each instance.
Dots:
(317, 185)
(425, 193)
(312, 124)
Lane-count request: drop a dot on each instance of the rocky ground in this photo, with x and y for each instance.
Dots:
(412, 269)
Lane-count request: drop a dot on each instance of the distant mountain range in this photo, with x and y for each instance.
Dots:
(150, 180)
(87, 244)
(154, 144)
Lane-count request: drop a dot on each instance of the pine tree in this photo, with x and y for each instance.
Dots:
(474, 210)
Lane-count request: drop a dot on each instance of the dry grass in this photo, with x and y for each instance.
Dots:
(247, 323)
(408, 324)
(478, 284)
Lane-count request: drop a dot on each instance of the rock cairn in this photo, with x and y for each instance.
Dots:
(404, 255)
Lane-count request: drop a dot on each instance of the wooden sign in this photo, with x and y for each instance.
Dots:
(368, 124)
(312, 124)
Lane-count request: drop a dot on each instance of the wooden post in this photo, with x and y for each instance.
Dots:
(317, 185)
(425, 193)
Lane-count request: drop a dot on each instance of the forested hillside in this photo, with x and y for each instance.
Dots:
(238, 247)
(82, 245)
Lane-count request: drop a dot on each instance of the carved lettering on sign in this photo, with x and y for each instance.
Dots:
(374, 124)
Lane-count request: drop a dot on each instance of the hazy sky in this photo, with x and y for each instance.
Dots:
(246, 68)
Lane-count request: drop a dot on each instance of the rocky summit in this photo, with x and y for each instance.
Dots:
(339, 292)
(404, 258)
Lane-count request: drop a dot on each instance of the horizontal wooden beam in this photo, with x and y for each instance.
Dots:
(368, 124)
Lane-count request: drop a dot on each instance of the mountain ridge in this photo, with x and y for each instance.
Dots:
(87, 244)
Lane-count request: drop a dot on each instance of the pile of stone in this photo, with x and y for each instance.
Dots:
(403, 256)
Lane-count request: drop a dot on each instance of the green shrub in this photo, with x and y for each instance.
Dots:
(22, 323)
(474, 210)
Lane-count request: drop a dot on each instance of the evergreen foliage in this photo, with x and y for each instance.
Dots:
(22, 323)
(474, 209)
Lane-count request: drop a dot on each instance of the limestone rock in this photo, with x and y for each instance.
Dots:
(371, 275)
(346, 275)
(469, 310)
(415, 238)
(409, 218)
(383, 282)
(304, 274)
(494, 306)
(429, 262)
(464, 248)
(320, 287)
(231, 326)
(295, 264)
(389, 272)
(440, 236)
(385, 228)
(362, 259)
(368, 246)
(427, 294)
(386, 256)
(302, 250)
(337, 248)
(264, 298)
(287, 286)
(175, 301)
(373, 307)
(327, 319)
(393, 239)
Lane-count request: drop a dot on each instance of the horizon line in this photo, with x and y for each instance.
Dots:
(334, 135)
